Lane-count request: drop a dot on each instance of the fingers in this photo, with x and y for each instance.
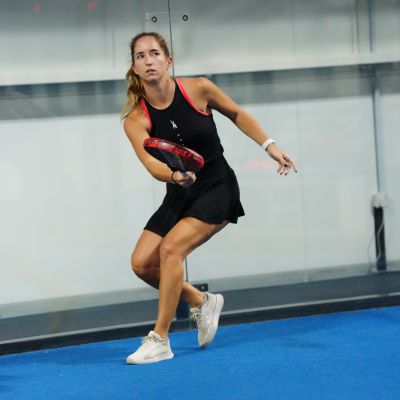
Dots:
(185, 179)
(283, 168)
(290, 161)
(190, 179)
(285, 163)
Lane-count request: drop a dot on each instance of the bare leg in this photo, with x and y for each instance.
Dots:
(146, 265)
(186, 235)
(145, 262)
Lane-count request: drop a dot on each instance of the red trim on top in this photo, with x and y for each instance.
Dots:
(146, 111)
(188, 99)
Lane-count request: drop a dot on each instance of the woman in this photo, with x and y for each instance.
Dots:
(196, 206)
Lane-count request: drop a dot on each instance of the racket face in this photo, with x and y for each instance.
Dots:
(177, 157)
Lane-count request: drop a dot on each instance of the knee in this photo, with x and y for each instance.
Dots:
(141, 266)
(169, 250)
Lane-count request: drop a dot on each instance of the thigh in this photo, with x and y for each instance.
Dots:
(188, 234)
(147, 249)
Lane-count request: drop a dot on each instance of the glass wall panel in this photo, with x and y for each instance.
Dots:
(318, 218)
(323, 215)
(75, 198)
(271, 35)
(58, 41)
(385, 22)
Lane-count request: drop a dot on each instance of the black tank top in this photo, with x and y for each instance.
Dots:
(183, 123)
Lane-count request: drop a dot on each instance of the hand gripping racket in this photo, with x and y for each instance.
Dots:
(177, 157)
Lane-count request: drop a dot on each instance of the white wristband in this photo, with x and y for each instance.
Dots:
(267, 143)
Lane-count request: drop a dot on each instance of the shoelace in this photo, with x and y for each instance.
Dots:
(198, 316)
(148, 341)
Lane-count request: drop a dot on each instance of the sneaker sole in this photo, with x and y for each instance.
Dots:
(217, 312)
(160, 357)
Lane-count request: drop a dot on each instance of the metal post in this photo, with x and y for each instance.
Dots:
(379, 200)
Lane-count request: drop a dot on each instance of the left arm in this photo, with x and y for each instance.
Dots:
(219, 101)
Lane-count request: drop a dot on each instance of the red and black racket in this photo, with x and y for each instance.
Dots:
(177, 157)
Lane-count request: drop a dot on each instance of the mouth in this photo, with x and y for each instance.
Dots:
(150, 71)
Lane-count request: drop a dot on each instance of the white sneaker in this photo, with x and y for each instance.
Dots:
(153, 349)
(207, 317)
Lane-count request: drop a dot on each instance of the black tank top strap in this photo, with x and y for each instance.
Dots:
(188, 99)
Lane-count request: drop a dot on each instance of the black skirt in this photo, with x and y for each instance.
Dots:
(213, 198)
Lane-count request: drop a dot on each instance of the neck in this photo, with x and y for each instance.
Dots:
(160, 93)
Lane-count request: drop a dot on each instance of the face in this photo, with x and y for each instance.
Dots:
(150, 62)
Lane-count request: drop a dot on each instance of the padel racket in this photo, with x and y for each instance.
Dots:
(177, 157)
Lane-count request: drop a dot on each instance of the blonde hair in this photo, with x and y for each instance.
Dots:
(135, 89)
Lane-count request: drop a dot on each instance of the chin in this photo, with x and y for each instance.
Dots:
(151, 79)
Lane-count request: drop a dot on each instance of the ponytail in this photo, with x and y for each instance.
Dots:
(134, 92)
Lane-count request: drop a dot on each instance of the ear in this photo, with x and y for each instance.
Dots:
(169, 62)
(133, 69)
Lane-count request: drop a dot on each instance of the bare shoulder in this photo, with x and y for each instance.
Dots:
(197, 85)
(198, 89)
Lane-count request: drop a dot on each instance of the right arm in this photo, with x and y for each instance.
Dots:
(136, 127)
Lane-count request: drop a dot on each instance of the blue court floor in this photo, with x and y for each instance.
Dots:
(350, 355)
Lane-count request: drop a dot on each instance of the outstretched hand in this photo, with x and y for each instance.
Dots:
(284, 161)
